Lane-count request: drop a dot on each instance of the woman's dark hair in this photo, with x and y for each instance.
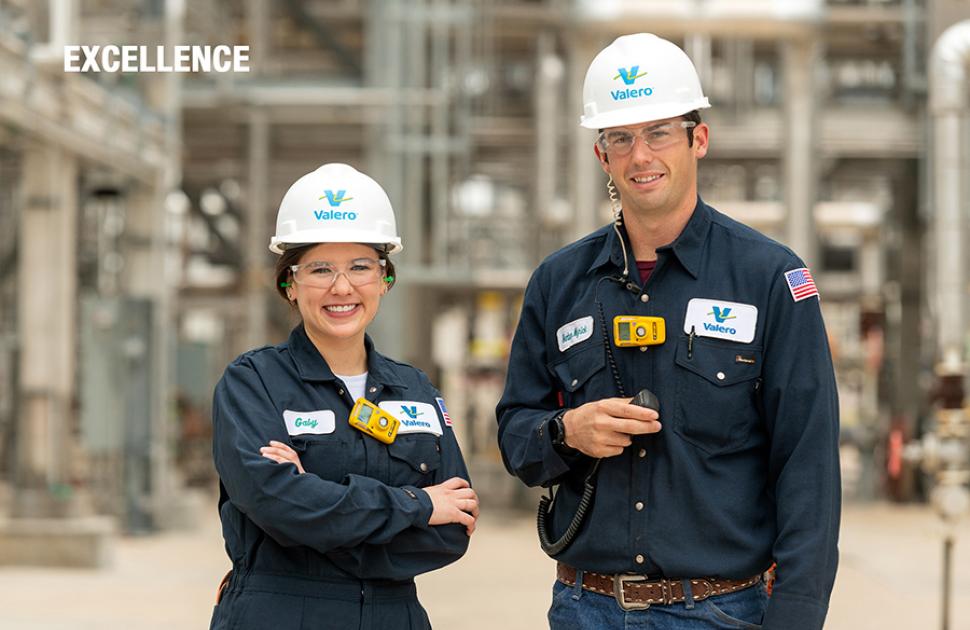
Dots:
(293, 255)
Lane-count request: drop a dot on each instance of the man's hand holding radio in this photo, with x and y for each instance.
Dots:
(603, 428)
(454, 502)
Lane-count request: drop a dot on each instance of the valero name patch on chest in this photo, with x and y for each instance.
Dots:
(721, 320)
(415, 417)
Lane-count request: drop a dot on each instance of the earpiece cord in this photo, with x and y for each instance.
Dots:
(549, 546)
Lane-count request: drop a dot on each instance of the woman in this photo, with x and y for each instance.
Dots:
(325, 525)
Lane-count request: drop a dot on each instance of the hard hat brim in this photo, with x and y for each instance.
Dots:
(316, 237)
(642, 114)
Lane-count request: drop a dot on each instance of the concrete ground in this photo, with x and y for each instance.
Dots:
(889, 578)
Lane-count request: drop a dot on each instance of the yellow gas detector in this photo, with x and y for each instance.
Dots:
(638, 330)
(374, 421)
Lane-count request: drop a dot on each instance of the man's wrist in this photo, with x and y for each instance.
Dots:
(557, 434)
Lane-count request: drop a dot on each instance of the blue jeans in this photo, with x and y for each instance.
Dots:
(575, 609)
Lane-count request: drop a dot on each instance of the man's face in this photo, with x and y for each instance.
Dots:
(655, 181)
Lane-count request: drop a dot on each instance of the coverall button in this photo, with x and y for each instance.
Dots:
(574, 383)
(638, 505)
(720, 376)
(644, 298)
(340, 391)
(640, 559)
(423, 467)
(643, 348)
(642, 453)
(372, 389)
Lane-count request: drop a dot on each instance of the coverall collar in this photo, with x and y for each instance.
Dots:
(313, 367)
(688, 247)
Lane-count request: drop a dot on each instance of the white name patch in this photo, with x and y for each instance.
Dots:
(415, 417)
(316, 422)
(722, 320)
(574, 332)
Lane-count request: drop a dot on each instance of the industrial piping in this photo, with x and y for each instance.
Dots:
(949, 63)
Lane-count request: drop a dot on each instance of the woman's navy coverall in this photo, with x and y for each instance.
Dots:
(339, 546)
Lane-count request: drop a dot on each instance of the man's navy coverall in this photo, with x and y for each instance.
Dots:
(745, 470)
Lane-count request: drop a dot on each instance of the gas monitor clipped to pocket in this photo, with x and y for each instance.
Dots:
(374, 421)
(638, 330)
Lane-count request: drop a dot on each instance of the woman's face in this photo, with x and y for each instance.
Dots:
(342, 311)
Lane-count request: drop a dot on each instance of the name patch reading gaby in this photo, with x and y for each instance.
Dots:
(318, 422)
(574, 332)
(415, 417)
(722, 320)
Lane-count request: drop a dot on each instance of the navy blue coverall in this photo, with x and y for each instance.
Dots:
(745, 470)
(339, 546)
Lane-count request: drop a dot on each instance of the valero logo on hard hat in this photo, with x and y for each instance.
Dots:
(629, 78)
(334, 215)
(336, 199)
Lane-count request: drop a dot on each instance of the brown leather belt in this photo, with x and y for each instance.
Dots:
(637, 592)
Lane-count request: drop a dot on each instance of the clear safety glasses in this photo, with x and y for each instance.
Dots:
(321, 275)
(620, 142)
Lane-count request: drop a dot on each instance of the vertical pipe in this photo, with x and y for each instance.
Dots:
(587, 179)
(412, 144)
(257, 20)
(254, 254)
(546, 99)
(950, 274)
(440, 136)
(949, 62)
(162, 361)
(46, 326)
(947, 580)
(799, 59)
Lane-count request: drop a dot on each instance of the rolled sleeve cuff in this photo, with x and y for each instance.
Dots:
(556, 462)
(792, 612)
(424, 501)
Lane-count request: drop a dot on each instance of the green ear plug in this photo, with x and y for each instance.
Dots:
(284, 284)
(388, 278)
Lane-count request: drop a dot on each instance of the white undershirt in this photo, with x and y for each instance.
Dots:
(356, 385)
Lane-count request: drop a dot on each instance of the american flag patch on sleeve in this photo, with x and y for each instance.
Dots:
(444, 411)
(801, 284)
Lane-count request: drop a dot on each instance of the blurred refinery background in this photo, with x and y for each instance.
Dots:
(136, 209)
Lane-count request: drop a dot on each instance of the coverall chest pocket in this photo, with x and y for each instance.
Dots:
(414, 457)
(716, 388)
(322, 455)
(580, 373)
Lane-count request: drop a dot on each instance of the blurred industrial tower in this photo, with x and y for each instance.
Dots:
(135, 210)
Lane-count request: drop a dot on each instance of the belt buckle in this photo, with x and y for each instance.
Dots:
(618, 582)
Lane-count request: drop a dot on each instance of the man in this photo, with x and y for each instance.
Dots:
(739, 469)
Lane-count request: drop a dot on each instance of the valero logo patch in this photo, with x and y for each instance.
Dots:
(415, 417)
(335, 198)
(630, 77)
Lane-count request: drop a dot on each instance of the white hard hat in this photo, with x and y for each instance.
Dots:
(639, 78)
(335, 204)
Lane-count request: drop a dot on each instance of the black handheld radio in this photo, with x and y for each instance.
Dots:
(644, 398)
